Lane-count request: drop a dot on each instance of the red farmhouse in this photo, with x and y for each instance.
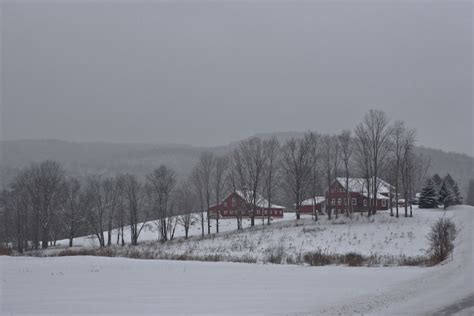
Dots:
(336, 195)
(307, 205)
(238, 203)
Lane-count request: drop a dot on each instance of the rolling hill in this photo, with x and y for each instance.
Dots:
(110, 158)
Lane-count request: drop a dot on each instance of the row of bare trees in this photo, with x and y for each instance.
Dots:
(44, 204)
(384, 150)
(305, 167)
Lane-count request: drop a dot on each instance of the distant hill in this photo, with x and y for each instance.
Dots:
(105, 158)
(109, 158)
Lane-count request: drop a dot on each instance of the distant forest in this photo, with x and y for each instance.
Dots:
(83, 159)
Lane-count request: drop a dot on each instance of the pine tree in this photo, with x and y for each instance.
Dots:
(470, 193)
(456, 194)
(446, 196)
(438, 181)
(428, 195)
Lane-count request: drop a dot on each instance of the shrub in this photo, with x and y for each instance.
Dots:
(318, 259)
(276, 254)
(413, 261)
(354, 259)
(103, 252)
(440, 238)
(73, 252)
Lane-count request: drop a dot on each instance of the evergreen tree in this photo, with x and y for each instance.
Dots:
(438, 181)
(446, 196)
(456, 194)
(470, 193)
(428, 195)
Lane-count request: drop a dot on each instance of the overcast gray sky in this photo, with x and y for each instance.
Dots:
(206, 73)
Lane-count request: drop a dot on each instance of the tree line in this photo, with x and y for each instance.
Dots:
(44, 202)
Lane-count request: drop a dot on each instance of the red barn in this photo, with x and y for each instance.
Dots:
(238, 203)
(307, 205)
(337, 195)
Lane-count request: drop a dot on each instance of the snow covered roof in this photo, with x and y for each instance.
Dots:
(359, 185)
(310, 201)
(261, 201)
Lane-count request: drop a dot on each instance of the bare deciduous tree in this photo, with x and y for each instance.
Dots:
(43, 183)
(187, 203)
(378, 134)
(407, 167)
(271, 169)
(398, 135)
(15, 206)
(315, 155)
(120, 209)
(196, 182)
(346, 145)
(363, 160)
(204, 168)
(233, 180)
(135, 200)
(296, 168)
(330, 163)
(162, 182)
(218, 182)
(71, 216)
(250, 157)
(99, 203)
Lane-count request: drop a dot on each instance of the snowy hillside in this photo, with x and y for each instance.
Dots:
(72, 285)
(385, 238)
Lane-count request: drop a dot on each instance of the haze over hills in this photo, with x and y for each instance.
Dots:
(83, 158)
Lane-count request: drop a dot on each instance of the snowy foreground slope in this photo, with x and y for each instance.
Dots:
(73, 285)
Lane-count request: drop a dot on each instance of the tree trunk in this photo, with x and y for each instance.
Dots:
(406, 204)
(202, 224)
(208, 223)
(396, 196)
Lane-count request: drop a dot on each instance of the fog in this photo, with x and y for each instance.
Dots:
(207, 73)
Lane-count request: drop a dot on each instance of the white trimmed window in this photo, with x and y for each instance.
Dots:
(339, 201)
(354, 201)
(225, 212)
(333, 201)
(384, 202)
(365, 202)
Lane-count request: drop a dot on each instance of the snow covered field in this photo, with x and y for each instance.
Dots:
(383, 236)
(73, 285)
(150, 230)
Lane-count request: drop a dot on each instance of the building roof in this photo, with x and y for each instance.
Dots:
(261, 201)
(359, 185)
(310, 201)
